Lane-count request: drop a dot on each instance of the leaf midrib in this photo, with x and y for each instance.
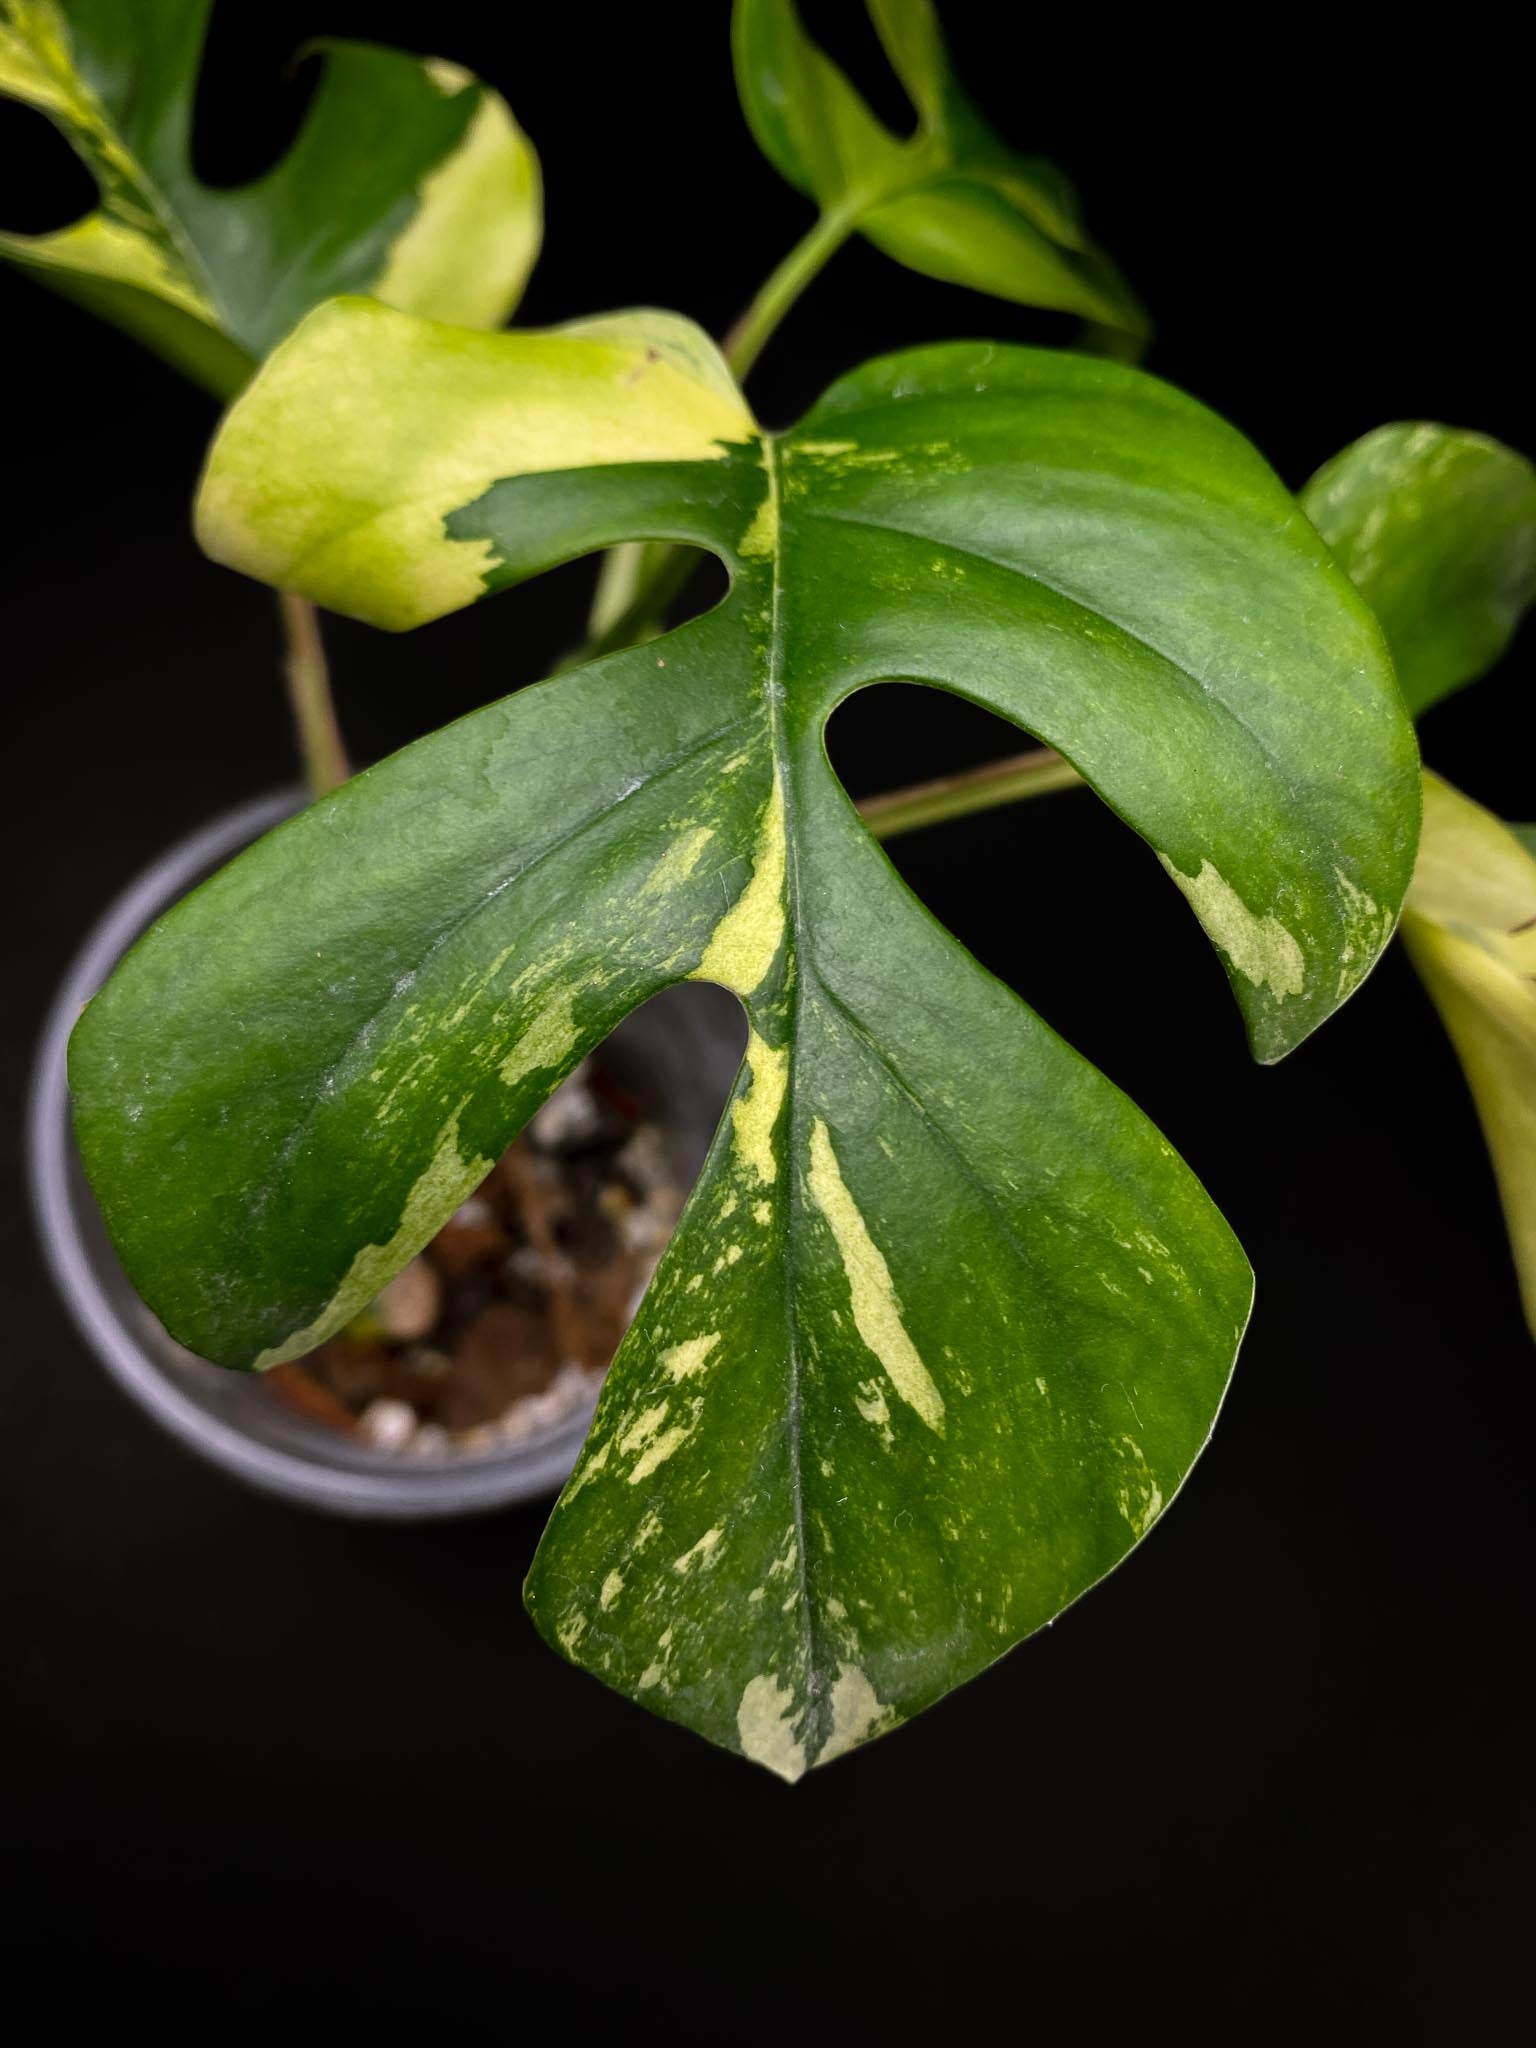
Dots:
(773, 700)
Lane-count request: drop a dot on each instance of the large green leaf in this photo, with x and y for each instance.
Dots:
(1470, 927)
(1437, 528)
(951, 200)
(409, 180)
(946, 1320)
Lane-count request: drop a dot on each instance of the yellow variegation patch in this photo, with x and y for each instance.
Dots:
(438, 1189)
(466, 252)
(423, 419)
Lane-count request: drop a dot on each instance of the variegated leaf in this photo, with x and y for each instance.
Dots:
(409, 180)
(1470, 927)
(946, 1321)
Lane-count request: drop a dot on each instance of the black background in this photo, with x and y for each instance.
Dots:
(1270, 1775)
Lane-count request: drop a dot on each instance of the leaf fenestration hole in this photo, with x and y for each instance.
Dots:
(45, 184)
(254, 94)
(678, 1055)
(707, 585)
(889, 735)
(1056, 895)
(849, 38)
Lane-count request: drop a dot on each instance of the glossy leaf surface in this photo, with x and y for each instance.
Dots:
(409, 180)
(1437, 528)
(946, 1321)
(951, 200)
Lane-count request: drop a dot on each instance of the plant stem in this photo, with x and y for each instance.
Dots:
(309, 696)
(748, 338)
(1036, 773)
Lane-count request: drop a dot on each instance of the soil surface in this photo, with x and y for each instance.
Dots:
(507, 1321)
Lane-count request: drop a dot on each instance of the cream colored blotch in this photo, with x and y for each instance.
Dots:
(1261, 948)
(876, 1311)
(765, 1727)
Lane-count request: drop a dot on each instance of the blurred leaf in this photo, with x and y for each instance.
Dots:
(1470, 926)
(845, 1456)
(1437, 528)
(409, 180)
(951, 200)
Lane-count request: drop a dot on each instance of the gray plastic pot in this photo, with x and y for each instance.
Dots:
(677, 1055)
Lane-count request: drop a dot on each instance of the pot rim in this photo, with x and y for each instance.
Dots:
(396, 1491)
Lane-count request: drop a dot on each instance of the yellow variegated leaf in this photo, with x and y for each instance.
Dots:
(1470, 924)
(945, 1321)
(409, 180)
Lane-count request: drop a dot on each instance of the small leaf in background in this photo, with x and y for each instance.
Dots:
(951, 200)
(1437, 528)
(1470, 927)
(408, 180)
(848, 1454)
